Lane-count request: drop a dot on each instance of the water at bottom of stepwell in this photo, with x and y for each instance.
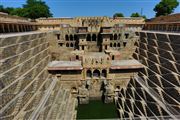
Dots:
(96, 109)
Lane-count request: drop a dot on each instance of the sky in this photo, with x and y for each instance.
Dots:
(74, 8)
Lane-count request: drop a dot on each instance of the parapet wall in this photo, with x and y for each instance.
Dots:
(23, 61)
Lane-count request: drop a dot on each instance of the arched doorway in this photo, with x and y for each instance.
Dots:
(96, 73)
(89, 73)
(104, 73)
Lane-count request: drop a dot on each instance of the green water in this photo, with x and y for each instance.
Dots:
(96, 110)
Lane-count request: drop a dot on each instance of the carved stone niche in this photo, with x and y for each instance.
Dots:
(83, 95)
(109, 93)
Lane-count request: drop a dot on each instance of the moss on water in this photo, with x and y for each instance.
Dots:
(96, 110)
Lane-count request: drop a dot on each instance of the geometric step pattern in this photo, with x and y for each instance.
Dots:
(27, 91)
(23, 72)
(158, 96)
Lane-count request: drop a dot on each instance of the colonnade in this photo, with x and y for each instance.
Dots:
(173, 27)
(10, 27)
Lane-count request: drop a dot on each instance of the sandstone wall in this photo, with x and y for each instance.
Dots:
(23, 61)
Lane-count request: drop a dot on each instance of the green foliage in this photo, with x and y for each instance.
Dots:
(135, 15)
(5, 10)
(32, 9)
(165, 7)
(144, 17)
(138, 15)
(18, 11)
(36, 9)
(118, 15)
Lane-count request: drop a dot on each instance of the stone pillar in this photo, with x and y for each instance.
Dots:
(17, 27)
(83, 95)
(13, 27)
(103, 47)
(3, 28)
(8, 28)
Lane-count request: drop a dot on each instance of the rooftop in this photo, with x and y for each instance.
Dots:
(126, 64)
(65, 65)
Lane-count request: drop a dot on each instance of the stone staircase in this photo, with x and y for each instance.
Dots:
(63, 106)
(66, 109)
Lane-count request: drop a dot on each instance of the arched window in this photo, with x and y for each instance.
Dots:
(88, 73)
(115, 36)
(96, 73)
(67, 44)
(71, 45)
(124, 44)
(119, 36)
(104, 73)
(71, 37)
(118, 45)
(67, 37)
(75, 37)
(88, 37)
(113, 57)
(77, 57)
(82, 47)
(111, 37)
(110, 44)
(58, 36)
(126, 35)
(114, 44)
(93, 37)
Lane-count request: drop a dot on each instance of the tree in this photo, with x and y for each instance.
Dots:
(2, 9)
(135, 15)
(138, 15)
(18, 11)
(32, 9)
(36, 9)
(165, 7)
(118, 15)
(144, 17)
(6, 10)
